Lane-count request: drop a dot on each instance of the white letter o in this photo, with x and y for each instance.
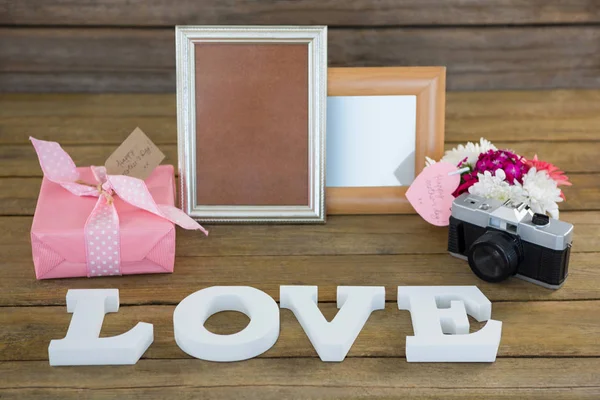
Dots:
(259, 336)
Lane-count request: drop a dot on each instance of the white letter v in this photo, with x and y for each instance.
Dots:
(332, 340)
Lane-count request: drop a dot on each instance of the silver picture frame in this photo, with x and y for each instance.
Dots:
(316, 39)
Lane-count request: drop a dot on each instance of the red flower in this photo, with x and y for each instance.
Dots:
(467, 180)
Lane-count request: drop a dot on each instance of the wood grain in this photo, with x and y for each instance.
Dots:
(88, 105)
(21, 160)
(25, 336)
(573, 157)
(476, 58)
(277, 392)
(560, 115)
(93, 82)
(311, 12)
(342, 235)
(267, 273)
(537, 359)
(18, 196)
(362, 375)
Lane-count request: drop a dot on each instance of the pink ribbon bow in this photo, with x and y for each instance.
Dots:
(102, 237)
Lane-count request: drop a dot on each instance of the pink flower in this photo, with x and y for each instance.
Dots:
(513, 165)
(556, 174)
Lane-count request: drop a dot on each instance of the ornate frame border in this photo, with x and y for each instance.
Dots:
(316, 38)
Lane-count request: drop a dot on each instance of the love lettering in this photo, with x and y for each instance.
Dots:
(438, 313)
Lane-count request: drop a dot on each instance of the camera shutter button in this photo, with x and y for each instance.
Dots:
(540, 219)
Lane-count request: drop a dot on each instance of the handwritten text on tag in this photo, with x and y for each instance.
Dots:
(137, 156)
(431, 193)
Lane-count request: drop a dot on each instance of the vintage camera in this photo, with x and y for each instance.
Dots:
(500, 239)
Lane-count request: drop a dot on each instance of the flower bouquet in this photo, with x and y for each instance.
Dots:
(504, 175)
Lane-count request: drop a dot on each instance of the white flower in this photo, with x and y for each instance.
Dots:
(470, 151)
(429, 161)
(541, 192)
(538, 191)
(495, 187)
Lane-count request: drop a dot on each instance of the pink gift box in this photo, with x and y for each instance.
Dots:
(57, 234)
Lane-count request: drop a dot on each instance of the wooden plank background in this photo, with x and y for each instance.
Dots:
(561, 126)
(128, 46)
(549, 346)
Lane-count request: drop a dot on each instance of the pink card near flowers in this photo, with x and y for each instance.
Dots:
(147, 241)
(431, 193)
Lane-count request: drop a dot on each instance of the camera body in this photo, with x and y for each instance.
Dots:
(500, 239)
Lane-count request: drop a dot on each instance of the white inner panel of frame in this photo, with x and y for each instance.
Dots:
(371, 140)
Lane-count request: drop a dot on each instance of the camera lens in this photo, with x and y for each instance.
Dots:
(495, 256)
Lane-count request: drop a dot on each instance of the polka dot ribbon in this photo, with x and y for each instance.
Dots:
(102, 235)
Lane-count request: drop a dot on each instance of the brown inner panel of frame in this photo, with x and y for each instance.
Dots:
(252, 124)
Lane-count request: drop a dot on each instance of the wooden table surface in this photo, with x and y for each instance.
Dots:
(550, 344)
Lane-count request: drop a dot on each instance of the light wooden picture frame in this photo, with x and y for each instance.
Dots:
(427, 85)
(251, 123)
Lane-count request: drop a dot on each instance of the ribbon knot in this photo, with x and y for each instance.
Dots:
(102, 192)
(102, 233)
(100, 188)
